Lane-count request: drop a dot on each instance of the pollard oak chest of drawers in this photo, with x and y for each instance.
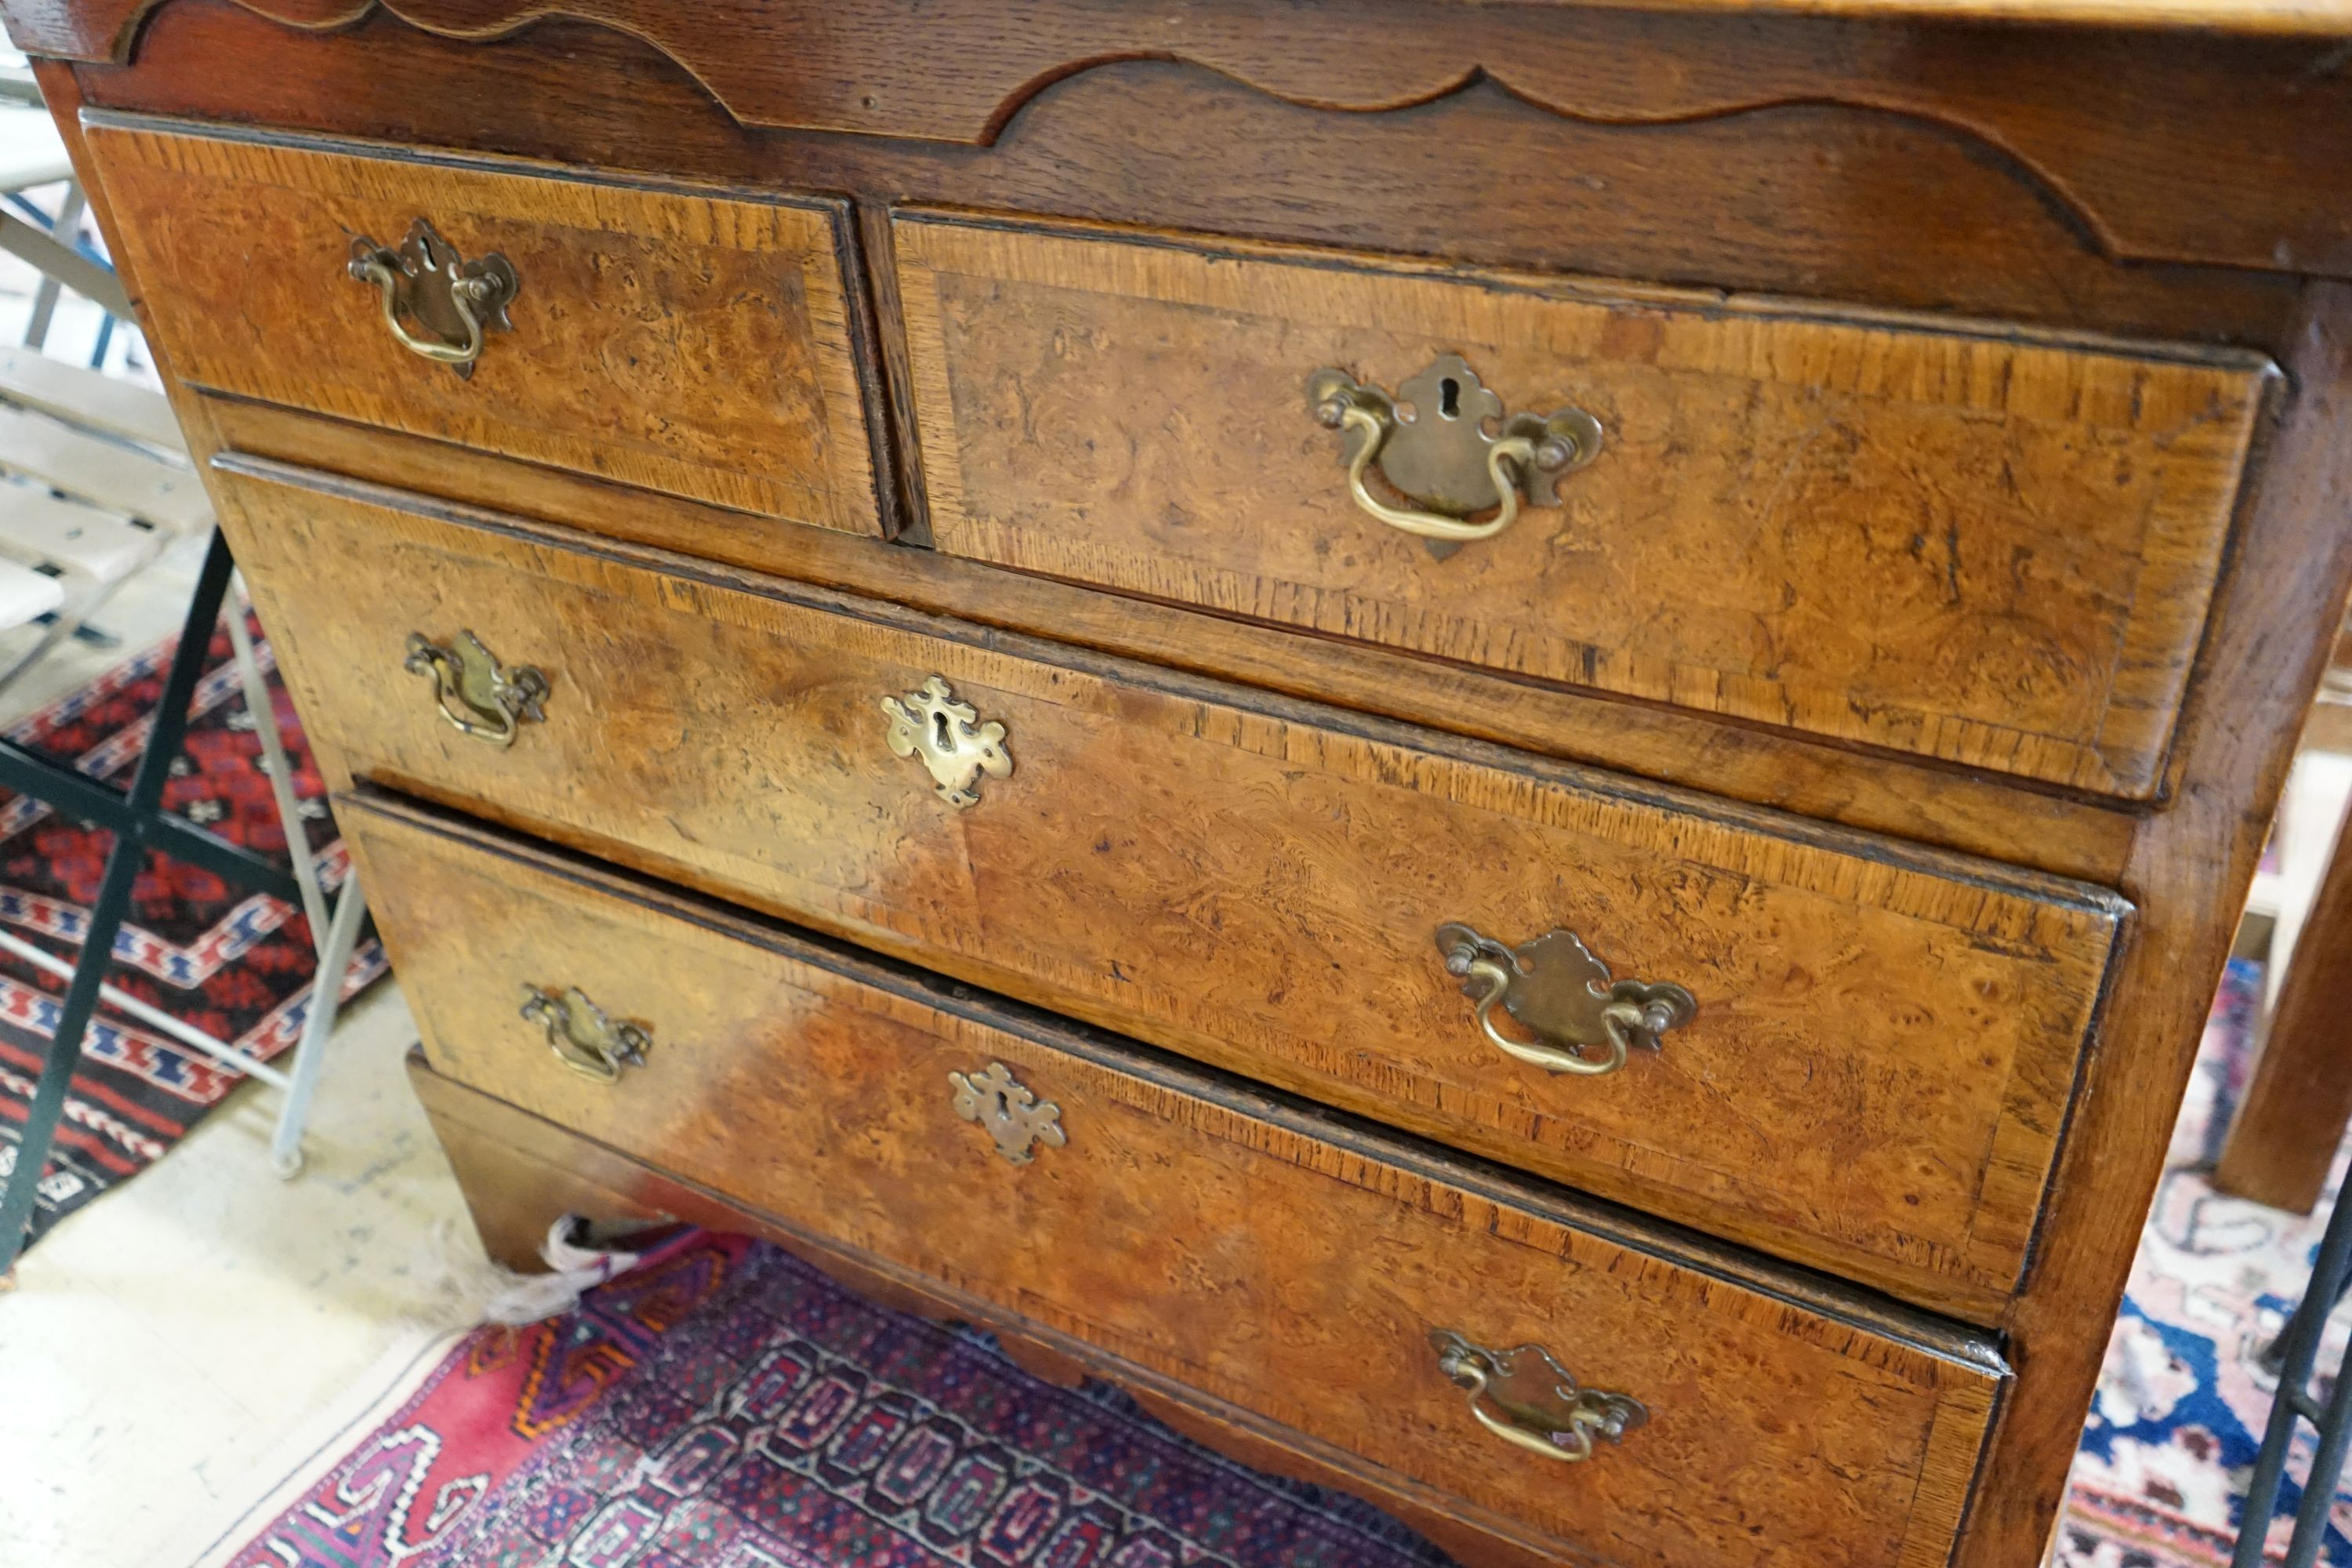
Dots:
(1504, 746)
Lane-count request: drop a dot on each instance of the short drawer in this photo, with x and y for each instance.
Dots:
(1963, 544)
(1884, 1041)
(1288, 1262)
(686, 343)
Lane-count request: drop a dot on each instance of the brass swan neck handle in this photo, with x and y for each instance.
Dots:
(1585, 1023)
(427, 281)
(1431, 446)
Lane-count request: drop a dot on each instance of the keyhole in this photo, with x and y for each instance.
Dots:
(1004, 1106)
(1449, 398)
(939, 732)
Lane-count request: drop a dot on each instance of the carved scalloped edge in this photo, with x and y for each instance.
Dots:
(332, 16)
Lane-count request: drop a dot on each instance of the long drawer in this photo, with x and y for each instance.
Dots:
(1868, 1050)
(1299, 1266)
(1940, 539)
(685, 342)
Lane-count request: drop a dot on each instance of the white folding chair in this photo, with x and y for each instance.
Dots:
(104, 486)
(94, 485)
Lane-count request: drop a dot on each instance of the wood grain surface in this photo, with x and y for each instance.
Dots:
(1997, 172)
(1886, 1042)
(677, 342)
(2145, 138)
(1286, 1262)
(521, 1172)
(1305, 59)
(2274, 623)
(1915, 799)
(1993, 551)
(2290, 1122)
(1805, 199)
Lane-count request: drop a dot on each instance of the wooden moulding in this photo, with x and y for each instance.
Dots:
(2058, 102)
(1921, 201)
(1886, 1037)
(1277, 1260)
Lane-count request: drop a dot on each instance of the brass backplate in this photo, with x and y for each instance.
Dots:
(1440, 426)
(955, 747)
(583, 1037)
(1533, 1392)
(1563, 993)
(432, 284)
(477, 693)
(1015, 1118)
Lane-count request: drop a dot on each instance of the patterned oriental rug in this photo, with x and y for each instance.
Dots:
(725, 1405)
(236, 964)
(2182, 1402)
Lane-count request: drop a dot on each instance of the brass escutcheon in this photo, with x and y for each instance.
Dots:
(1441, 456)
(583, 1037)
(1561, 992)
(428, 282)
(1537, 1403)
(1015, 1118)
(477, 695)
(947, 735)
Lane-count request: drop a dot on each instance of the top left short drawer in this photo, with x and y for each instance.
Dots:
(683, 342)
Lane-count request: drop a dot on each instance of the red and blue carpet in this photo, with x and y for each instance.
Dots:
(2183, 1400)
(235, 965)
(724, 1405)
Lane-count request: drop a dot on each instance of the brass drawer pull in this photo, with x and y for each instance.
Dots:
(1537, 1403)
(427, 281)
(1442, 458)
(477, 695)
(583, 1037)
(947, 735)
(1013, 1116)
(1560, 991)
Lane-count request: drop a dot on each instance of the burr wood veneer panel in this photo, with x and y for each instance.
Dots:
(1986, 549)
(1885, 1039)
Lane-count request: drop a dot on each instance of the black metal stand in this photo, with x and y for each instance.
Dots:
(2297, 1348)
(139, 824)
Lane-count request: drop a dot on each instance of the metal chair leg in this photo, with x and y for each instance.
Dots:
(280, 769)
(122, 864)
(333, 938)
(66, 224)
(2298, 1350)
(326, 1006)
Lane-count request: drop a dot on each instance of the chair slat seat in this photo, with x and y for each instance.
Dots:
(89, 398)
(102, 472)
(37, 527)
(26, 594)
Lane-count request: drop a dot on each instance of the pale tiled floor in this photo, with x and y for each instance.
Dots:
(169, 1352)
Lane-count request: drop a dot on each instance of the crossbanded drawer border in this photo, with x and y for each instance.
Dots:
(2017, 1166)
(1524, 1211)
